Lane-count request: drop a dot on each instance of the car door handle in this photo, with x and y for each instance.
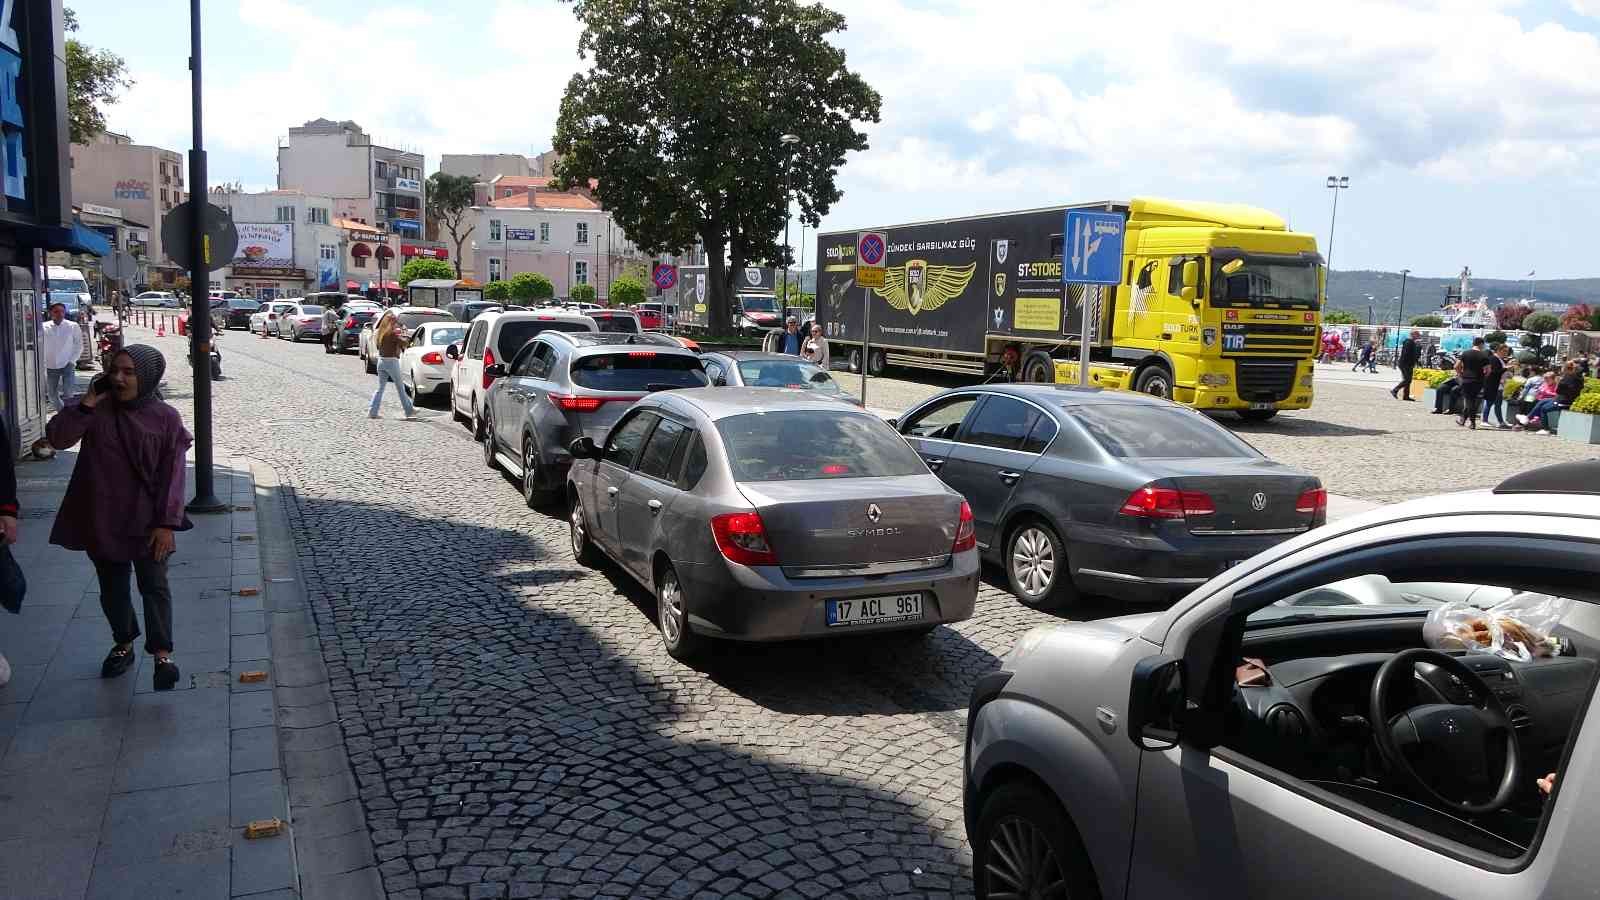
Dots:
(1009, 477)
(655, 506)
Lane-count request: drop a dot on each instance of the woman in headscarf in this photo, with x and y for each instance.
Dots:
(125, 500)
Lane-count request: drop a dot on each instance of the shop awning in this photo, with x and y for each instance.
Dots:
(352, 286)
(360, 249)
(392, 285)
(74, 238)
(385, 251)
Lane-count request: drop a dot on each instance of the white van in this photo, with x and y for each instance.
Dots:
(64, 285)
(496, 337)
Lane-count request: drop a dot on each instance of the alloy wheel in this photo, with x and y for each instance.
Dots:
(1033, 561)
(1021, 863)
(579, 533)
(530, 482)
(671, 602)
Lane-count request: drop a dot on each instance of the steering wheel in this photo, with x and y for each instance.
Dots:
(1458, 737)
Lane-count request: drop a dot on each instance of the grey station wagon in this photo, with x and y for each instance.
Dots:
(765, 514)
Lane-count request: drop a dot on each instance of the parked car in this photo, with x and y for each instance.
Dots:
(267, 318)
(352, 316)
(757, 517)
(424, 368)
(1265, 737)
(1107, 492)
(467, 310)
(303, 320)
(233, 313)
(410, 318)
(155, 299)
(749, 368)
(615, 321)
(496, 337)
(654, 315)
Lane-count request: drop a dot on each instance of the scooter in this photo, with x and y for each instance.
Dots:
(108, 341)
(216, 358)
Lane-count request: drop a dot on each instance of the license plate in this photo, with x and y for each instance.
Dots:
(1263, 406)
(875, 610)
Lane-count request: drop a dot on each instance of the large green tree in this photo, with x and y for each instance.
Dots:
(423, 267)
(94, 78)
(679, 120)
(450, 204)
(529, 287)
(626, 291)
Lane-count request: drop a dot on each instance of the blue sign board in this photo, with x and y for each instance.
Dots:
(1092, 247)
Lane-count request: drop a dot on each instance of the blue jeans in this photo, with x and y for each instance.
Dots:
(389, 371)
(61, 384)
(1541, 410)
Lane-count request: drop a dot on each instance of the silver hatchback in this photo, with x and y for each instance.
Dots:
(760, 514)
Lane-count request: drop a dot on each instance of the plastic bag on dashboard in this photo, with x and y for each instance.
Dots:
(1518, 628)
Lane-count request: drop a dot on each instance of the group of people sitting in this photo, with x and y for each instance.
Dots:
(1475, 391)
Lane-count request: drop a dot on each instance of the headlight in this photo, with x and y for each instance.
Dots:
(1306, 380)
(1215, 379)
(1026, 644)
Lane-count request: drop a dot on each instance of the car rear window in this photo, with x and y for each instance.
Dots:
(786, 373)
(1132, 431)
(446, 335)
(795, 445)
(514, 334)
(638, 370)
(363, 315)
(617, 324)
(410, 320)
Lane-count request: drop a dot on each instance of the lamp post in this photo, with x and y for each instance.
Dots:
(788, 141)
(1336, 183)
(1399, 316)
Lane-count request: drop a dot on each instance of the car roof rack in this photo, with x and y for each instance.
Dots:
(1563, 478)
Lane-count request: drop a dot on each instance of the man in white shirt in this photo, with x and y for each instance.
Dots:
(60, 343)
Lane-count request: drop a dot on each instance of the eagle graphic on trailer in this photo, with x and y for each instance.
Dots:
(917, 286)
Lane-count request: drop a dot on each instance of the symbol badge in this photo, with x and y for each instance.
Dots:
(874, 513)
(999, 284)
(999, 317)
(1258, 502)
(752, 275)
(1001, 248)
(700, 287)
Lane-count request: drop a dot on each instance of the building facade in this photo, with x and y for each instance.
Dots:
(369, 183)
(288, 244)
(484, 166)
(141, 181)
(564, 236)
(369, 260)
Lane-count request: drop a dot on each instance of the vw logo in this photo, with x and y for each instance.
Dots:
(874, 513)
(1258, 502)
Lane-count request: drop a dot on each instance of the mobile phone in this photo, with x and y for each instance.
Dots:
(101, 384)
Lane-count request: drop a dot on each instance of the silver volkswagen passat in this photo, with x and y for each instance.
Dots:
(764, 515)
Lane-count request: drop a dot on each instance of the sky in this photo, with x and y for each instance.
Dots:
(1469, 129)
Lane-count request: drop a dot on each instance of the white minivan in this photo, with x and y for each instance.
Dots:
(64, 285)
(496, 337)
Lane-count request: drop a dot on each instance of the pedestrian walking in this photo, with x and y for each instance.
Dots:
(1410, 353)
(60, 344)
(1472, 368)
(391, 340)
(8, 523)
(1493, 395)
(816, 347)
(125, 500)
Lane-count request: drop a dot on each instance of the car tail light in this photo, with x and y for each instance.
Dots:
(1150, 502)
(488, 360)
(571, 403)
(272, 315)
(966, 534)
(433, 358)
(743, 539)
(1313, 502)
(350, 323)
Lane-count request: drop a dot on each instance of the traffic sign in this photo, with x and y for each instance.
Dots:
(221, 237)
(872, 257)
(665, 276)
(1093, 247)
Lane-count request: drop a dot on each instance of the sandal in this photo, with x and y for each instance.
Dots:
(119, 660)
(166, 674)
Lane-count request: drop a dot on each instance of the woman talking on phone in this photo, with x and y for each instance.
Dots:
(125, 500)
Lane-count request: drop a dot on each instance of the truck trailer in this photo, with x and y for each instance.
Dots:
(754, 302)
(1219, 305)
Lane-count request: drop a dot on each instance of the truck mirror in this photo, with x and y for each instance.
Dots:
(1191, 281)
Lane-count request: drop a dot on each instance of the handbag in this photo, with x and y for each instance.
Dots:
(13, 584)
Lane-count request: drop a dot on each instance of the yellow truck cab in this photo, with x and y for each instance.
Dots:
(1219, 305)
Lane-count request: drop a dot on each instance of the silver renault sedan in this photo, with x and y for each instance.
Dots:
(761, 514)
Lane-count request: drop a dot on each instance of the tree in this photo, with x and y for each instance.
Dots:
(498, 291)
(1577, 318)
(626, 291)
(1541, 323)
(527, 287)
(1509, 316)
(450, 199)
(1340, 317)
(584, 293)
(94, 78)
(1428, 321)
(679, 118)
(1495, 337)
(424, 267)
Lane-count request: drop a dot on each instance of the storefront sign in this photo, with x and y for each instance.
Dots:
(288, 272)
(424, 252)
(522, 234)
(108, 211)
(407, 184)
(132, 189)
(13, 146)
(265, 246)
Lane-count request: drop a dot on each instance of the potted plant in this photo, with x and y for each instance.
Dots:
(1429, 380)
(1581, 423)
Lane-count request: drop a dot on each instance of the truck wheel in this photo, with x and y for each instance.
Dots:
(1039, 368)
(855, 361)
(876, 363)
(1257, 415)
(1155, 381)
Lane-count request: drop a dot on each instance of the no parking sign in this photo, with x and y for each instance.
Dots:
(665, 276)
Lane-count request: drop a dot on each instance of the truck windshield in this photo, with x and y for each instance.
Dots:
(758, 302)
(1259, 283)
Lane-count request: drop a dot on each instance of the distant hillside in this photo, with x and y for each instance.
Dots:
(1349, 291)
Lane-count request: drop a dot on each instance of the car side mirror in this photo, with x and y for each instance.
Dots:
(720, 381)
(583, 448)
(1157, 702)
(893, 423)
(1191, 281)
(495, 371)
(453, 352)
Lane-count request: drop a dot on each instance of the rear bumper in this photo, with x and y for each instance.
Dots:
(1157, 568)
(762, 604)
(431, 380)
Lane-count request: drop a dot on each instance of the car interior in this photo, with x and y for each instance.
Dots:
(1336, 686)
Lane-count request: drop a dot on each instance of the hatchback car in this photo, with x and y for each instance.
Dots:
(302, 321)
(760, 516)
(1276, 735)
(496, 338)
(352, 317)
(586, 382)
(234, 312)
(749, 368)
(1108, 492)
(424, 368)
(267, 318)
(410, 318)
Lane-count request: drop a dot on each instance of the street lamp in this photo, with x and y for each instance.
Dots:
(788, 141)
(1336, 183)
(1399, 316)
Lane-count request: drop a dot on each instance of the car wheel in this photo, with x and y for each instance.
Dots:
(532, 493)
(479, 423)
(672, 615)
(1036, 567)
(583, 548)
(855, 361)
(1025, 847)
(455, 412)
(371, 365)
(1155, 381)
(1257, 415)
(488, 445)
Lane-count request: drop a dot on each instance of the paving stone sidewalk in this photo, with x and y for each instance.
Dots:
(109, 789)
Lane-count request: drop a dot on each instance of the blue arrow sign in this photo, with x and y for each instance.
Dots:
(1092, 247)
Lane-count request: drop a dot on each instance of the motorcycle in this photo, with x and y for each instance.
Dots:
(108, 340)
(215, 357)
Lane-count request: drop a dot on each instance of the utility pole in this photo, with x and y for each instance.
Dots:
(1399, 316)
(1336, 183)
(205, 493)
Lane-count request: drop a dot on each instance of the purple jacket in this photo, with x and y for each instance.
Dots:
(109, 509)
